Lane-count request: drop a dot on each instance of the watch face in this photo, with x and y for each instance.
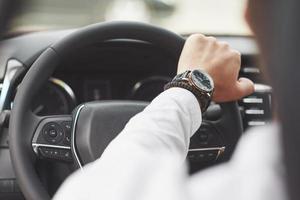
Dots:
(202, 80)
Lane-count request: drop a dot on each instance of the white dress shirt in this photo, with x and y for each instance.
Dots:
(146, 161)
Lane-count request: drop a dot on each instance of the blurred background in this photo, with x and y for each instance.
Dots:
(221, 17)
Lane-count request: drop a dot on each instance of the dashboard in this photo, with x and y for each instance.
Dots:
(118, 70)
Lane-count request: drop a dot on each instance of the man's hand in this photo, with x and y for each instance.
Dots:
(221, 62)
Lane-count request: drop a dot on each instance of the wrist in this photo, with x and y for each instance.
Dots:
(198, 82)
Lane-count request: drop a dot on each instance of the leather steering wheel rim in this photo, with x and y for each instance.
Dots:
(23, 122)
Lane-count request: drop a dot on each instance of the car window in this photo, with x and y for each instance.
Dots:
(181, 16)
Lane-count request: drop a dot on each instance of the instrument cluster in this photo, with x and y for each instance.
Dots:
(148, 88)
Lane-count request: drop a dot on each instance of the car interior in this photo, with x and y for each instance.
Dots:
(107, 72)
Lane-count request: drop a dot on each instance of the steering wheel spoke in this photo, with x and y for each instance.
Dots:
(52, 138)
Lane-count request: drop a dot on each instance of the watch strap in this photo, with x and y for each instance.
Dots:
(204, 102)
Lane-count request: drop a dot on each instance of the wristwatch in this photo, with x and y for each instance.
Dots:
(196, 81)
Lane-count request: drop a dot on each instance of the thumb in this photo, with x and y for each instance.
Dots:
(244, 87)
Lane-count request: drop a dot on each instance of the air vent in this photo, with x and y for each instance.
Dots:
(257, 109)
(252, 73)
(250, 70)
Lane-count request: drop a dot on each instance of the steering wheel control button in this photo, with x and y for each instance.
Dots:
(66, 155)
(206, 137)
(203, 155)
(53, 132)
(6, 186)
(67, 126)
(56, 154)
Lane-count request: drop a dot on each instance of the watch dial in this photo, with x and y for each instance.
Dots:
(202, 80)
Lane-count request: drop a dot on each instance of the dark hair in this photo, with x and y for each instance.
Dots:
(276, 25)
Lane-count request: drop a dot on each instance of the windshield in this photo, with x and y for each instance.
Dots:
(182, 16)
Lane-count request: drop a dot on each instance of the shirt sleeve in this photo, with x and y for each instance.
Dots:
(154, 139)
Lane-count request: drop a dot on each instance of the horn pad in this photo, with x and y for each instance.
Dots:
(98, 123)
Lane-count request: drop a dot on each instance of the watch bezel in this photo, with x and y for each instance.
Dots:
(193, 82)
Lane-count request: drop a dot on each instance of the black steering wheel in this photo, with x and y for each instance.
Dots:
(75, 138)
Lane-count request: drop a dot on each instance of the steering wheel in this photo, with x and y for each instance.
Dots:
(81, 138)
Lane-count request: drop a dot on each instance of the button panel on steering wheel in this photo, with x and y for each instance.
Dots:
(207, 144)
(52, 139)
(53, 132)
